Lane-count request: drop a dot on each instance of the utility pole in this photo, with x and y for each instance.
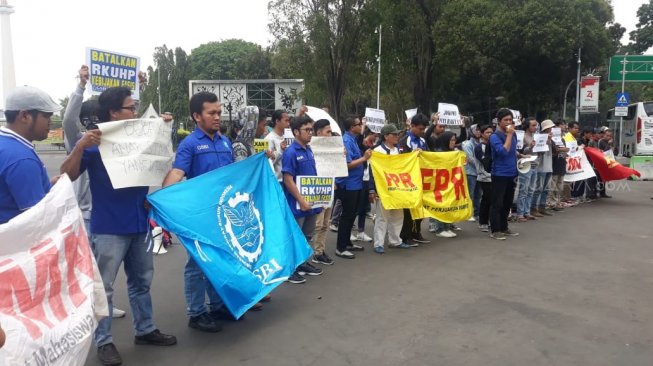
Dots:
(578, 87)
(621, 119)
(378, 76)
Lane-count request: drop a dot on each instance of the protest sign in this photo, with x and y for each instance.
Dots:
(318, 113)
(236, 224)
(261, 145)
(136, 152)
(51, 292)
(243, 145)
(288, 136)
(573, 148)
(410, 113)
(520, 138)
(448, 114)
(444, 187)
(557, 136)
(374, 119)
(316, 191)
(329, 153)
(110, 69)
(540, 142)
(578, 167)
(397, 179)
(516, 117)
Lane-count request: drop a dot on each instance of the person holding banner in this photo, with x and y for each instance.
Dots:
(23, 178)
(387, 221)
(503, 145)
(482, 154)
(413, 140)
(280, 121)
(322, 128)
(543, 172)
(445, 142)
(298, 160)
(119, 231)
(528, 178)
(578, 187)
(349, 189)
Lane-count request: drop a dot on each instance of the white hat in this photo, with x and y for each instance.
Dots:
(30, 98)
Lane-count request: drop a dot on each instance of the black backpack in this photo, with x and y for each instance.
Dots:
(484, 157)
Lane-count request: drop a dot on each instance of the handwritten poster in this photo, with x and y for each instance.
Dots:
(329, 155)
(136, 152)
(540, 142)
(374, 119)
(557, 136)
(449, 114)
(111, 69)
(520, 138)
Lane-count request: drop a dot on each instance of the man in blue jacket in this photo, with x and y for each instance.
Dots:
(504, 172)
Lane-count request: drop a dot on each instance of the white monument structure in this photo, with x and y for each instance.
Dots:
(7, 61)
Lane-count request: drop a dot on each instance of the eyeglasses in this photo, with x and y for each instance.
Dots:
(132, 108)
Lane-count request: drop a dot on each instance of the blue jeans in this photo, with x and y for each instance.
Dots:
(196, 288)
(474, 193)
(135, 251)
(526, 189)
(541, 189)
(439, 226)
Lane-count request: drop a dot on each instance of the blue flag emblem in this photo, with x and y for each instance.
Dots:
(236, 224)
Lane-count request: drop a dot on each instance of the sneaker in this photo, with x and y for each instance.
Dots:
(484, 228)
(498, 235)
(471, 219)
(205, 323)
(296, 278)
(353, 237)
(379, 250)
(156, 338)
(421, 239)
(455, 227)
(364, 237)
(346, 254)
(400, 246)
(355, 248)
(510, 233)
(445, 234)
(117, 313)
(333, 228)
(223, 315)
(410, 243)
(307, 269)
(108, 355)
(322, 259)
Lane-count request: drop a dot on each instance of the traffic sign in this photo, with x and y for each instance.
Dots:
(638, 68)
(623, 99)
(620, 111)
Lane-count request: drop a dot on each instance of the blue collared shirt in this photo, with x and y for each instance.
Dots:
(198, 154)
(298, 160)
(504, 163)
(23, 178)
(115, 211)
(354, 181)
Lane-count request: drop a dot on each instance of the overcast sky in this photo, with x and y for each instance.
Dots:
(50, 37)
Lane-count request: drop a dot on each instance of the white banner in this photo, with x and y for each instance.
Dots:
(136, 152)
(520, 139)
(449, 114)
(589, 94)
(318, 113)
(374, 119)
(578, 167)
(51, 293)
(329, 153)
(540, 142)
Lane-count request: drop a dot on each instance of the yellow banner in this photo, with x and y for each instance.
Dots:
(444, 186)
(397, 179)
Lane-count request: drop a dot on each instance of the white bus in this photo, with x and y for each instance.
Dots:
(638, 130)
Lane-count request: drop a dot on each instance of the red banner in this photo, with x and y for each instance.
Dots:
(607, 167)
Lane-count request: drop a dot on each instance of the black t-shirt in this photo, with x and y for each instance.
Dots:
(559, 163)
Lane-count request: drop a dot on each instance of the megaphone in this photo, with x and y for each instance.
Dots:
(523, 165)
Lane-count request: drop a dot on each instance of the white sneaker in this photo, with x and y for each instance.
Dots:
(117, 313)
(364, 237)
(353, 237)
(445, 234)
(471, 219)
(453, 235)
(333, 228)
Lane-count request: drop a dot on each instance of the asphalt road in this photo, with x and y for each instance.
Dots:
(572, 289)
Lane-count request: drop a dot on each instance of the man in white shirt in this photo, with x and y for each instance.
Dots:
(280, 121)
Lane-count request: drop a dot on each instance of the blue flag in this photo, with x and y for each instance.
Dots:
(237, 225)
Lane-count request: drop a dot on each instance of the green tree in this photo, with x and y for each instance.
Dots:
(642, 36)
(229, 60)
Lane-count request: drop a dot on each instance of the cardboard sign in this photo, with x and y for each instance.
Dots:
(540, 142)
(374, 119)
(136, 152)
(449, 114)
(111, 69)
(316, 191)
(329, 154)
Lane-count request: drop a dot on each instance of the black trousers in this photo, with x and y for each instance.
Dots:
(350, 200)
(486, 203)
(411, 229)
(503, 192)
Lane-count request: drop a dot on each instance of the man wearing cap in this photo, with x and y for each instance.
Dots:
(543, 172)
(387, 221)
(23, 178)
(119, 231)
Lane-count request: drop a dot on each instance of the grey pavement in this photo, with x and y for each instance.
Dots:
(572, 289)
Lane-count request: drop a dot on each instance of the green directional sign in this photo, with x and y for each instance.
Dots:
(639, 68)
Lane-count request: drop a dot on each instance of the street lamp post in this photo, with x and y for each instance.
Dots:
(578, 87)
(378, 75)
(564, 105)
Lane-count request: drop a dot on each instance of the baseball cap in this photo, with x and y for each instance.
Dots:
(604, 128)
(30, 98)
(388, 129)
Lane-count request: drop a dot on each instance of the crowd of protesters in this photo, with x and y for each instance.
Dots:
(501, 188)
